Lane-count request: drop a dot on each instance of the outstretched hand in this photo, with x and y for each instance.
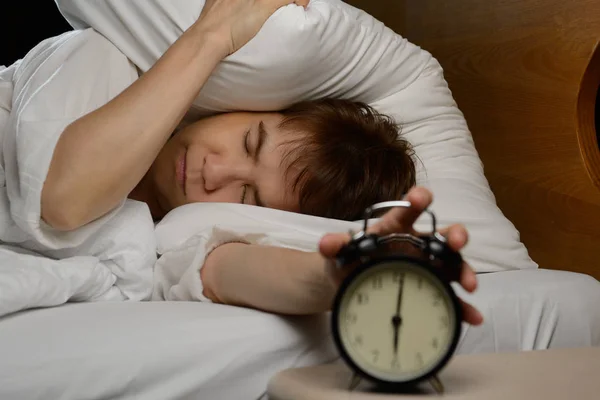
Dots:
(236, 22)
(401, 220)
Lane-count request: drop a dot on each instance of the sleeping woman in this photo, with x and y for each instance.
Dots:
(129, 151)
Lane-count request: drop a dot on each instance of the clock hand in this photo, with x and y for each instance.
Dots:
(397, 319)
(396, 332)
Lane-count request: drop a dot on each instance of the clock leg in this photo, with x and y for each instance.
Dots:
(437, 384)
(354, 382)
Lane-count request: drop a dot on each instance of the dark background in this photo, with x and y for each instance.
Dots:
(26, 24)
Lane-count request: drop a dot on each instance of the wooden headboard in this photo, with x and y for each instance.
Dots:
(526, 75)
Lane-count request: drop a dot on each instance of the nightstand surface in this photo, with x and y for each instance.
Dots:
(546, 375)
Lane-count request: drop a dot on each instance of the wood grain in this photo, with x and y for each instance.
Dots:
(526, 74)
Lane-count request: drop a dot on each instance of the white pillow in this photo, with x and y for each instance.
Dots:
(330, 49)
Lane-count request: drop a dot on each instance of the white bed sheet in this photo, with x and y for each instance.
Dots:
(165, 350)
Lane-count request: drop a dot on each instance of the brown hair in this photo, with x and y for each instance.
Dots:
(347, 157)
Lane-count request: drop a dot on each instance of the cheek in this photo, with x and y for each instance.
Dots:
(213, 135)
(161, 167)
(225, 195)
(283, 175)
(192, 138)
(278, 193)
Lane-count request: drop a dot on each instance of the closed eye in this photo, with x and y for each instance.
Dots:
(244, 191)
(247, 150)
(246, 142)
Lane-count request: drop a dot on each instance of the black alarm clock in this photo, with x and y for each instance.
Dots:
(396, 320)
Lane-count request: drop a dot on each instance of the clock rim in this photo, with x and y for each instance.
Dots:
(335, 311)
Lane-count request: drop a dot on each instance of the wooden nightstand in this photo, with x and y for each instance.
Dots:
(545, 375)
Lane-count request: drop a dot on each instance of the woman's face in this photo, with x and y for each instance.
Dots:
(232, 158)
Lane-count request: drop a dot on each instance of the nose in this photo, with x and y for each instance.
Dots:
(219, 172)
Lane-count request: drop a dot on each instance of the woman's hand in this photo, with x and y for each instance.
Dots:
(401, 220)
(236, 22)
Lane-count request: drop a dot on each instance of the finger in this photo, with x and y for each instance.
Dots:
(457, 239)
(402, 219)
(470, 314)
(468, 278)
(332, 243)
(456, 235)
(303, 3)
(273, 5)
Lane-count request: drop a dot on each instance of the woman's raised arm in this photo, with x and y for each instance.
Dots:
(102, 156)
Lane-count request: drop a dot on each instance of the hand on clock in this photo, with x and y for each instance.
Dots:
(397, 318)
(401, 220)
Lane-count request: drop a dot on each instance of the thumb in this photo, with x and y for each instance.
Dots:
(332, 243)
(274, 5)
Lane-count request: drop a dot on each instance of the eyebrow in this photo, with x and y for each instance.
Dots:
(262, 137)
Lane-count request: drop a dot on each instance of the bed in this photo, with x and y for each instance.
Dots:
(191, 350)
(151, 351)
(184, 350)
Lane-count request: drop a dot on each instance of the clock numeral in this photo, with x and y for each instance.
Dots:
(358, 339)
(395, 362)
(420, 361)
(378, 282)
(351, 318)
(362, 298)
(435, 343)
(420, 283)
(375, 354)
(396, 277)
(444, 322)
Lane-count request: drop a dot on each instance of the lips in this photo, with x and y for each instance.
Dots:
(181, 172)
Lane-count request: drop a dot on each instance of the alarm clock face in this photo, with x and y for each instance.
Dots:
(396, 322)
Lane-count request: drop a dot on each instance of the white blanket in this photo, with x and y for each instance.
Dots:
(189, 350)
(112, 258)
